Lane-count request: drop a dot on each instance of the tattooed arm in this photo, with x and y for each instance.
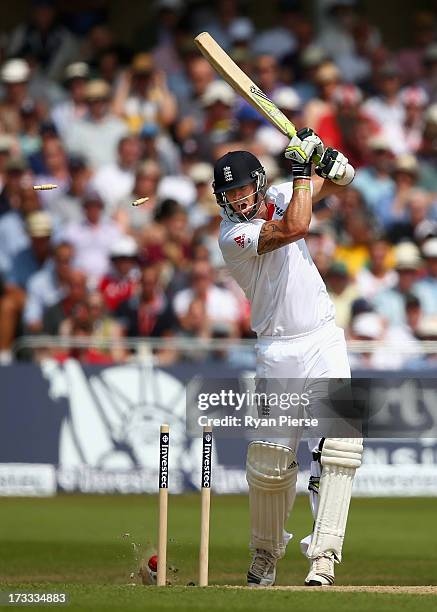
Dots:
(293, 226)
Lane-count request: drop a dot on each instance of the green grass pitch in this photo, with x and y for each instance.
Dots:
(89, 546)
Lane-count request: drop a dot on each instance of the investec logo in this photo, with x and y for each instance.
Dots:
(206, 460)
(163, 461)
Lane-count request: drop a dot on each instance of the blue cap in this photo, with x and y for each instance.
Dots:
(248, 113)
(149, 130)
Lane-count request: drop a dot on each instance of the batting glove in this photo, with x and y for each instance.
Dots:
(305, 147)
(335, 167)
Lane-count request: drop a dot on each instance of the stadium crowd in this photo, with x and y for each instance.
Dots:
(109, 124)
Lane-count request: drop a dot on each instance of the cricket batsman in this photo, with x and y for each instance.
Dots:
(262, 238)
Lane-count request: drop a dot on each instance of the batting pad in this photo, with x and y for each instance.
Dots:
(271, 472)
(340, 459)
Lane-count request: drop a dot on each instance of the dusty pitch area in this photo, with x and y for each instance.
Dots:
(394, 589)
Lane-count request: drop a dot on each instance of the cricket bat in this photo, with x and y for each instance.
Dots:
(241, 83)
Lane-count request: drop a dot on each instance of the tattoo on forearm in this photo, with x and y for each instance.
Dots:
(271, 237)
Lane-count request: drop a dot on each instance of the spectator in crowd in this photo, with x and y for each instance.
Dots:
(56, 171)
(46, 287)
(218, 128)
(342, 291)
(74, 107)
(426, 288)
(14, 76)
(29, 136)
(75, 292)
(429, 81)
(169, 31)
(310, 59)
(346, 127)
(143, 96)
(149, 312)
(427, 154)
(241, 34)
(267, 73)
(356, 67)
(414, 100)
(158, 146)
(280, 40)
(134, 219)
(97, 134)
(416, 213)
(321, 244)
(327, 78)
(121, 282)
(191, 112)
(80, 326)
(413, 315)
(390, 303)
(102, 331)
(346, 204)
(375, 181)
(173, 247)
(248, 123)
(47, 132)
(366, 327)
(220, 21)
(7, 145)
(99, 38)
(411, 59)
(426, 331)
(208, 235)
(221, 306)
(405, 175)
(201, 174)
(13, 232)
(14, 168)
(111, 63)
(92, 238)
(196, 324)
(114, 182)
(12, 300)
(370, 327)
(386, 108)
(66, 207)
(353, 248)
(337, 29)
(378, 274)
(179, 187)
(38, 247)
(44, 39)
(105, 332)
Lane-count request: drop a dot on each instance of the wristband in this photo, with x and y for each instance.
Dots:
(301, 171)
(306, 187)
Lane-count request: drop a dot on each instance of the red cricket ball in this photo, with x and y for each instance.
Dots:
(153, 563)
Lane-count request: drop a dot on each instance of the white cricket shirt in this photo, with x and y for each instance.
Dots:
(287, 294)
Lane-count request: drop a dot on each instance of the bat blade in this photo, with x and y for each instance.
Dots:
(241, 83)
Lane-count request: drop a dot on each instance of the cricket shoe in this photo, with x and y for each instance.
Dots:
(321, 572)
(262, 570)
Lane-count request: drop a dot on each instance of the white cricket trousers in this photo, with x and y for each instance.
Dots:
(319, 354)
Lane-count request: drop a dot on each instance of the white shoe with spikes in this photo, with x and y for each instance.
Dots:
(321, 571)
